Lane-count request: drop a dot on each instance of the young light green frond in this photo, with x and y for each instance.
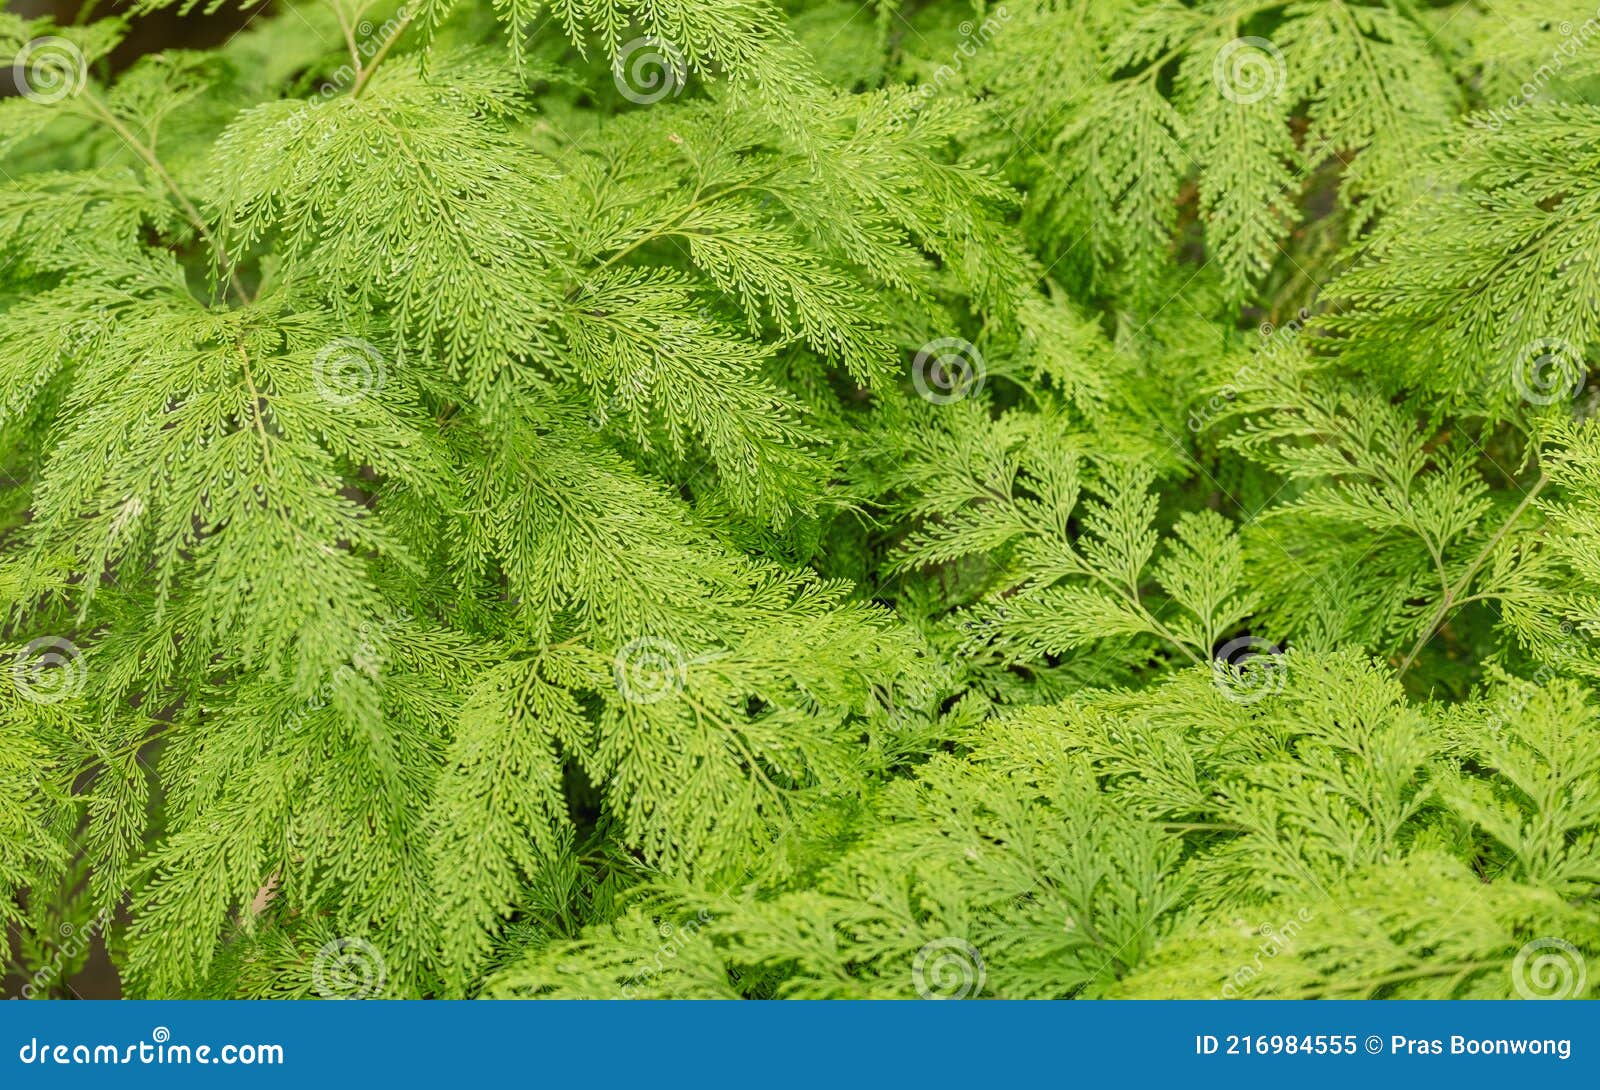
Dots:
(470, 283)
(1488, 296)
(499, 812)
(675, 499)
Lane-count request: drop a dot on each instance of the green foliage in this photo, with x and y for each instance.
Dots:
(743, 499)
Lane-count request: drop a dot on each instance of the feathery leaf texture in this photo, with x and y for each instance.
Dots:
(687, 500)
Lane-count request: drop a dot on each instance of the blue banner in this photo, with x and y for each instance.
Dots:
(800, 1044)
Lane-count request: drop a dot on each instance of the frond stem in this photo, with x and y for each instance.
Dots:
(1453, 592)
(365, 74)
(190, 212)
(348, 30)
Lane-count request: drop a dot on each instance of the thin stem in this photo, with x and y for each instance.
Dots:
(130, 750)
(1451, 599)
(1131, 596)
(674, 223)
(255, 413)
(1154, 67)
(365, 74)
(348, 30)
(190, 212)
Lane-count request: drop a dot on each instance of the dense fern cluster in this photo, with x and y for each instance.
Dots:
(675, 499)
